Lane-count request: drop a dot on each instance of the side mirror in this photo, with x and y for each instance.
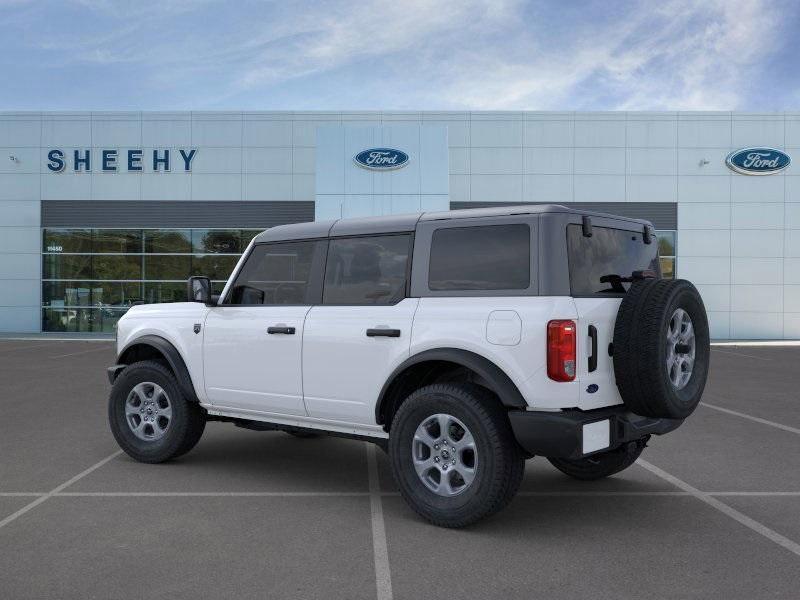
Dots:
(199, 290)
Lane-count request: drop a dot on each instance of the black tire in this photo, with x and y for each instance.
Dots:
(601, 465)
(500, 466)
(641, 348)
(185, 426)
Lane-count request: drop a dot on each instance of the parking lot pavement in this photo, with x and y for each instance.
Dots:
(254, 514)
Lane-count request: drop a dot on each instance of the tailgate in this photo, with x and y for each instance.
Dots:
(595, 372)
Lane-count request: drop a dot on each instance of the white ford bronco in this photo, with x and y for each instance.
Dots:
(462, 342)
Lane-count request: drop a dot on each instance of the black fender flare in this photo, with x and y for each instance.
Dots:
(173, 358)
(494, 376)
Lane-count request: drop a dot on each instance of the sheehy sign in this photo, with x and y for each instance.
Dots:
(111, 161)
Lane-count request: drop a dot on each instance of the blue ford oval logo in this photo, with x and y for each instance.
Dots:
(381, 159)
(758, 161)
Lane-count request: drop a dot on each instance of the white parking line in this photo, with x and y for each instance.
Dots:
(588, 494)
(212, 494)
(383, 579)
(18, 348)
(77, 353)
(755, 494)
(742, 354)
(734, 514)
(752, 418)
(598, 494)
(56, 490)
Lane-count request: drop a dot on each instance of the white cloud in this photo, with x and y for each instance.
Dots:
(684, 56)
(474, 54)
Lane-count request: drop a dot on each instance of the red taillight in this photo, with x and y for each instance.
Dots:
(561, 350)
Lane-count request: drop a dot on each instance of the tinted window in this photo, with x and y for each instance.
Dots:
(608, 252)
(366, 270)
(494, 257)
(275, 274)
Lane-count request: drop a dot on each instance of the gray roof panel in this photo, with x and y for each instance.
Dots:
(295, 231)
(408, 222)
(370, 225)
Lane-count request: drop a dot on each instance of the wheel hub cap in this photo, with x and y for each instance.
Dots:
(444, 455)
(148, 411)
(681, 349)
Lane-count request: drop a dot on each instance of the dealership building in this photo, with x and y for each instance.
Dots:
(100, 210)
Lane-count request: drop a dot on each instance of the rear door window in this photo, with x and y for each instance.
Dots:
(485, 257)
(595, 261)
(367, 270)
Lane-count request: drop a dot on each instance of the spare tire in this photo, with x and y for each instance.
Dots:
(661, 348)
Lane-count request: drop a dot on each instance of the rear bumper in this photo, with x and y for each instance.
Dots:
(576, 433)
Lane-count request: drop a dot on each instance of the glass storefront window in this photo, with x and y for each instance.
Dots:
(88, 320)
(67, 240)
(59, 294)
(167, 266)
(667, 267)
(666, 243)
(67, 266)
(247, 237)
(117, 266)
(222, 241)
(666, 252)
(118, 241)
(214, 266)
(155, 292)
(168, 241)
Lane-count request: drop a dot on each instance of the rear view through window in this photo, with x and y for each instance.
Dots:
(491, 257)
(595, 261)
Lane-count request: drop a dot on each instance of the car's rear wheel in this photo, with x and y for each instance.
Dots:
(149, 415)
(453, 454)
(603, 464)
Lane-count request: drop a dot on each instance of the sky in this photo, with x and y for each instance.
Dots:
(400, 55)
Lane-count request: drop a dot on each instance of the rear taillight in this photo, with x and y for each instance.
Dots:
(561, 350)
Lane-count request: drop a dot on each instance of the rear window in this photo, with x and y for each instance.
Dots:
(607, 252)
(490, 257)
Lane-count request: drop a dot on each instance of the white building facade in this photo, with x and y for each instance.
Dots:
(101, 210)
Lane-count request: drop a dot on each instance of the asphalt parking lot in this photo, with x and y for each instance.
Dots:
(710, 511)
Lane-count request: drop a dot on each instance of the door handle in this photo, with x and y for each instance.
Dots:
(593, 357)
(281, 329)
(383, 332)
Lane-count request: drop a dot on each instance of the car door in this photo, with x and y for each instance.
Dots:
(362, 329)
(252, 347)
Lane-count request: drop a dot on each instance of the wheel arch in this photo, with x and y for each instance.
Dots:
(431, 365)
(155, 347)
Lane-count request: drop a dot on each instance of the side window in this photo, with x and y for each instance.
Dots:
(486, 257)
(367, 270)
(276, 274)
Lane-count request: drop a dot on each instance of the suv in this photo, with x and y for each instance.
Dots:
(462, 342)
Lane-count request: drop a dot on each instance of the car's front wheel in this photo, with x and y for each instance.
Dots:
(149, 415)
(453, 454)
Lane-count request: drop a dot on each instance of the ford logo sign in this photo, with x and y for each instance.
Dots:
(758, 161)
(381, 159)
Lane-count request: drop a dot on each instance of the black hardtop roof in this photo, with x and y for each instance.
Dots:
(408, 222)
